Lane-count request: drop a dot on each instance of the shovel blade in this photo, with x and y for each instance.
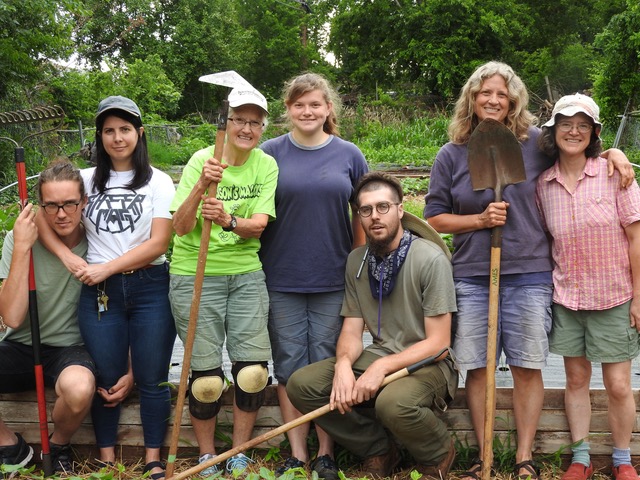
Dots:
(494, 157)
(230, 78)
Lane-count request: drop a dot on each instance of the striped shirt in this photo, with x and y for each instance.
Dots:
(590, 248)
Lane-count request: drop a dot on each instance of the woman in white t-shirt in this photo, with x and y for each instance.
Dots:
(124, 311)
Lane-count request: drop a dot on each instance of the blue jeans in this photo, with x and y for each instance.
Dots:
(138, 320)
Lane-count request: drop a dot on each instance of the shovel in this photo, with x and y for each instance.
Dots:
(495, 161)
(229, 79)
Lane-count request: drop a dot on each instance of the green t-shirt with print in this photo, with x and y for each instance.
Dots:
(245, 190)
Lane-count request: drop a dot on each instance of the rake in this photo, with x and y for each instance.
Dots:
(38, 114)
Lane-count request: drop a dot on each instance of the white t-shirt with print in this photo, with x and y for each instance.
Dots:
(120, 219)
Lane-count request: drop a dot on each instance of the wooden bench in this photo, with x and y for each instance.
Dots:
(19, 411)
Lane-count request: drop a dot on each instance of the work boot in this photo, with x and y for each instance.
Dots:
(380, 466)
(441, 470)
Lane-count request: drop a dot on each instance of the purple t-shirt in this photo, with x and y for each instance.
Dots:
(305, 249)
(525, 248)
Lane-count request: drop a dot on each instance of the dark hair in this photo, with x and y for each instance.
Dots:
(60, 170)
(141, 163)
(547, 143)
(376, 180)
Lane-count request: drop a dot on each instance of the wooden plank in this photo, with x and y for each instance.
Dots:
(20, 411)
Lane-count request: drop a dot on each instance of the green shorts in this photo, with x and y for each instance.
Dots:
(234, 308)
(602, 336)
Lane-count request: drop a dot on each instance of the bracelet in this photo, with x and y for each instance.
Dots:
(3, 326)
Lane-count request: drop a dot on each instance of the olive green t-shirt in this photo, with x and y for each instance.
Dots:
(57, 292)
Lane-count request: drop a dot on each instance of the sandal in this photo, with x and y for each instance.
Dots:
(475, 471)
(155, 464)
(530, 467)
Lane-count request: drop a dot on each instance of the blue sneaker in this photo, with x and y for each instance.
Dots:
(237, 464)
(209, 471)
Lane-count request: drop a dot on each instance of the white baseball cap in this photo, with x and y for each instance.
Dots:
(569, 105)
(247, 96)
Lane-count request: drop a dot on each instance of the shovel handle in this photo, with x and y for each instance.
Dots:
(492, 339)
(195, 300)
(301, 420)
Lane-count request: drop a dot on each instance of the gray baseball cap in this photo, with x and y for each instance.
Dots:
(117, 102)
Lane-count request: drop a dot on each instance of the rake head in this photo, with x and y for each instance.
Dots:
(37, 114)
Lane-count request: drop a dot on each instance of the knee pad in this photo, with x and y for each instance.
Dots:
(205, 389)
(250, 379)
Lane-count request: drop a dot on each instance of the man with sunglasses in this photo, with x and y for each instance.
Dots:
(66, 364)
(400, 287)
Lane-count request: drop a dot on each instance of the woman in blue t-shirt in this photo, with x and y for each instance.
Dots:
(304, 252)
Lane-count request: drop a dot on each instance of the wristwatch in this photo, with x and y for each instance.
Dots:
(233, 223)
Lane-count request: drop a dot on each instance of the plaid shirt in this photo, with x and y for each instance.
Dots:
(590, 248)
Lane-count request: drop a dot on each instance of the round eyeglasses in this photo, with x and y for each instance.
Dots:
(568, 126)
(54, 208)
(382, 208)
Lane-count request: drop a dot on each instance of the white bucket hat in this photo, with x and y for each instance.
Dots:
(569, 105)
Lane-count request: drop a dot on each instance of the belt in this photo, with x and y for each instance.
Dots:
(129, 272)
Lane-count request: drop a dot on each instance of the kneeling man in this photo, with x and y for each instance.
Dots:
(401, 288)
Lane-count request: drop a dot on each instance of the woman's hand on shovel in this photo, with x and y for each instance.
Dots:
(495, 215)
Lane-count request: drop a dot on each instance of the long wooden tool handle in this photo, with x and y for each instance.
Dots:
(492, 337)
(301, 420)
(492, 340)
(195, 301)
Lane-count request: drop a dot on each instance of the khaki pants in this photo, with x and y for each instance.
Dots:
(404, 408)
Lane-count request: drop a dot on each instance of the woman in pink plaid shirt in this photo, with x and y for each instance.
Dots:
(595, 227)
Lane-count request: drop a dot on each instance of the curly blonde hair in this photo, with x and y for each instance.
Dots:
(518, 120)
(308, 82)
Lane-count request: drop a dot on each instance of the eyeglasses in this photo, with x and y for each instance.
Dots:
(241, 122)
(568, 126)
(382, 208)
(54, 208)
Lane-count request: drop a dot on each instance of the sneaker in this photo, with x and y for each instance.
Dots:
(381, 466)
(289, 464)
(15, 456)
(61, 457)
(238, 464)
(624, 472)
(325, 467)
(577, 471)
(212, 470)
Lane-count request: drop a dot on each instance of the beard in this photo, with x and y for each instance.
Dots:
(381, 246)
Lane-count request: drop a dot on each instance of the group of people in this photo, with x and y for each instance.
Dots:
(307, 250)
(568, 247)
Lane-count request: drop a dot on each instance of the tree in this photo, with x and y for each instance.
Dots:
(32, 32)
(617, 75)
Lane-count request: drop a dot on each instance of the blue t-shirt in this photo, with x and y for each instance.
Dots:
(305, 249)
(525, 247)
